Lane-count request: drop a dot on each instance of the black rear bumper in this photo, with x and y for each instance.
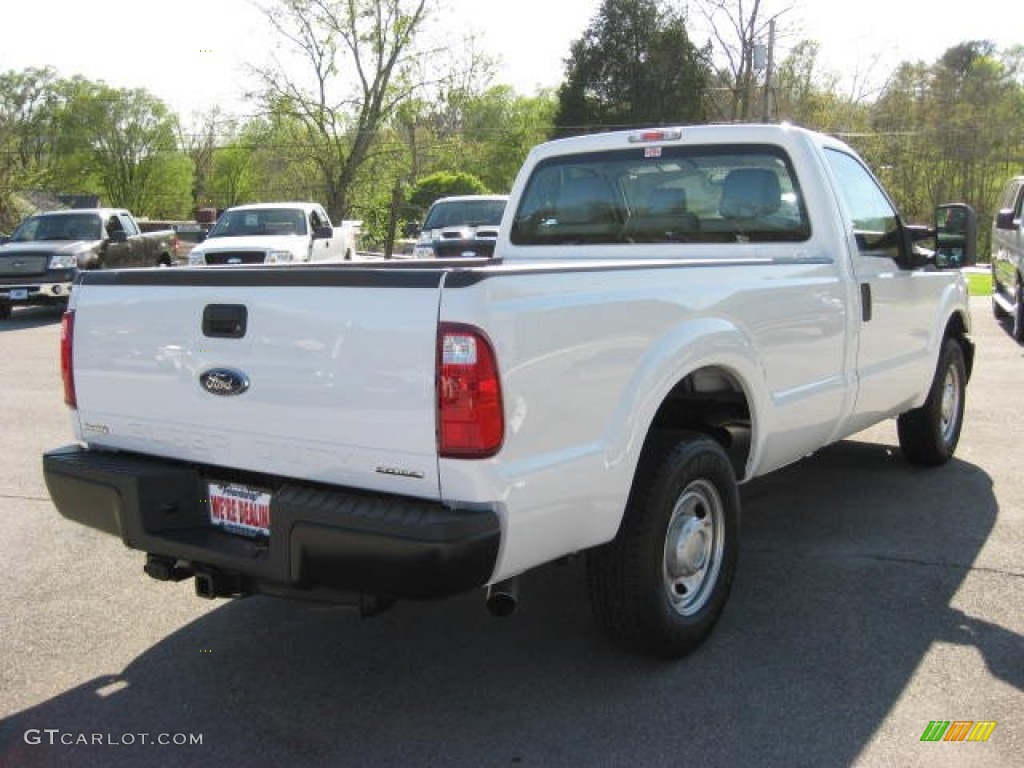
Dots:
(323, 540)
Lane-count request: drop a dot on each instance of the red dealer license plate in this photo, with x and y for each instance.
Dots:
(240, 509)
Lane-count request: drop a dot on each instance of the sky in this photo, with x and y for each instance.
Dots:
(193, 53)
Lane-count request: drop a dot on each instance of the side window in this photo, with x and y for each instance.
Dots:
(1018, 205)
(114, 225)
(1010, 197)
(128, 225)
(875, 222)
(324, 219)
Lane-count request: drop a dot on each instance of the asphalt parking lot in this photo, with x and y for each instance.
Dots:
(872, 598)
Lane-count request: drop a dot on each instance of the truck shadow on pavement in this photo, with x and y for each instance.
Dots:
(31, 317)
(849, 565)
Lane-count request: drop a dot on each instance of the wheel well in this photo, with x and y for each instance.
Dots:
(956, 328)
(710, 400)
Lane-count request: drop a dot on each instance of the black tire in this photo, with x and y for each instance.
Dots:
(659, 587)
(929, 435)
(5, 310)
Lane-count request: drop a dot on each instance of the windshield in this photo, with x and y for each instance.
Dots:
(709, 194)
(260, 221)
(464, 213)
(71, 226)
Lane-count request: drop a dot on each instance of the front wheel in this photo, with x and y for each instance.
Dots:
(5, 310)
(929, 435)
(659, 587)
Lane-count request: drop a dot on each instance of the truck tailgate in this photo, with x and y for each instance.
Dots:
(339, 366)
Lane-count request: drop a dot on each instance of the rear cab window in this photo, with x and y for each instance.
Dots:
(663, 194)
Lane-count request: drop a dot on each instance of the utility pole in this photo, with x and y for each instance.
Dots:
(766, 109)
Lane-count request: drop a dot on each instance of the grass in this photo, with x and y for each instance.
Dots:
(979, 283)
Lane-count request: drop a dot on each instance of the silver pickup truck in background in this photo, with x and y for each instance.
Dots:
(460, 226)
(668, 313)
(40, 260)
(1008, 257)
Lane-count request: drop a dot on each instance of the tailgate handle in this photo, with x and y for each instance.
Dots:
(225, 321)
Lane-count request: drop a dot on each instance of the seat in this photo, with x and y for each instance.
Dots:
(666, 200)
(586, 200)
(749, 193)
(664, 218)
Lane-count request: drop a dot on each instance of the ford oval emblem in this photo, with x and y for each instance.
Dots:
(224, 381)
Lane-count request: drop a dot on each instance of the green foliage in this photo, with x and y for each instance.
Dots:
(354, 70)
(441, 184)
(946, 132)
(634, 65)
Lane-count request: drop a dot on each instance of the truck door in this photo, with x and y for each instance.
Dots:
(1007, 241)
(895, 326)
(119, 246)
(322, 248)
(138, 246)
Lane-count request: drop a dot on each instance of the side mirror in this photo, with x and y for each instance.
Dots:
(956, 236)
(1004, 219)
(118, 237)
(323, 233)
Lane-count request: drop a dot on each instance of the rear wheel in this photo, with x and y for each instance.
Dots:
(659, 587)
(929, 435)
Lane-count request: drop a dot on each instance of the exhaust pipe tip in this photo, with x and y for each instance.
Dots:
(503, 598)
(165, 569)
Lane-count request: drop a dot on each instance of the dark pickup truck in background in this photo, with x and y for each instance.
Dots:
(39, 261)
(464, 226)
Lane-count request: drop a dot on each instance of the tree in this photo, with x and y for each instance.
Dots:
(349, 77)
(441, 184)
(738, 26)
(634, 65)
(127, 140)
(28, 134)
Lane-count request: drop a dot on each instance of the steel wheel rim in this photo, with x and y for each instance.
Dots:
(694, 543)
(950, 405)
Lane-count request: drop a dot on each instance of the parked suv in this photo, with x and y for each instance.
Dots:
(462, 226)
(1007, 252)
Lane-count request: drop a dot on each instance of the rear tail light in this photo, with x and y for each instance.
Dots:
(67, 374)
(471, 420)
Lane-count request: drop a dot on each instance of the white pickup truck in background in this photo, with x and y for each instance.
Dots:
(668, 313)
(276, 233)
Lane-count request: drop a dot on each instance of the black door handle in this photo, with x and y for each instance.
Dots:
(225, 321)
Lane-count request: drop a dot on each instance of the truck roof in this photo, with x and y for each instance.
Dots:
(723, 133)
(103, 212)
(462, 198)
(286, 204)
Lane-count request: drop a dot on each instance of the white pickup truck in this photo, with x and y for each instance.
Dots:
(275, 233)
(668, 313)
